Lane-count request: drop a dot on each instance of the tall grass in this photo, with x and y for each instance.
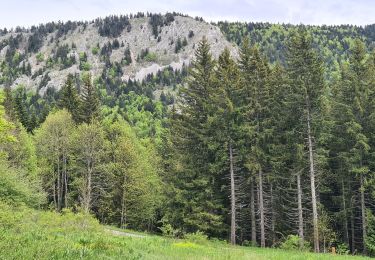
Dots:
(31, 234)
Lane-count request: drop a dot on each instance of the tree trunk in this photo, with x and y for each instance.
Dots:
(345, 222)
(352, 225)
(59, 190)
(87, 189)
(123, 205)
(363, 211)
(312, 181)
(261, 209)
(65, 181)
(233, 199)
(252, 209)
(273, 220)
(300, 212)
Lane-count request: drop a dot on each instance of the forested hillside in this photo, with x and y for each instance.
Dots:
(266, 141)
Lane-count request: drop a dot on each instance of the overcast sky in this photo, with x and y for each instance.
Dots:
(33, 12)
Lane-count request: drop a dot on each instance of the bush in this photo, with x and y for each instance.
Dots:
(150, 57)
(198, 237)
(370, 241)
(16, 188)
(342, 249)
(85, 66)
(39, 57)
(169, 231)
(292, 242)
(95, 50)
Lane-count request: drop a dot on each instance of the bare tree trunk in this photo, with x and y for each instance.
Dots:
(123, 205)
(233, 199)
(58, 185)
(261, 209)
(345, 222)
(312, 181)
(54, 193)
(65, 181)
(352, 225)
(252, 209)
(300, 212)
(87, 188)
(363, 211)
(273, 220)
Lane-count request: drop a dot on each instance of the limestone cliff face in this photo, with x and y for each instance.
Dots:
(84, 39)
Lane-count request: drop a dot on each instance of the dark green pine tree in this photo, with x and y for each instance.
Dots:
(33, 120)
(90, 103)
(256, 123)
(69, 98)
(21, 109)
(305, 72)
(353, 131)
(223, 125)
(198, 208)
(9, 104)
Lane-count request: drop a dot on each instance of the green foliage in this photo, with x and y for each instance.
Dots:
(90, 104)
(39, 57)
(17, 188)
(150, 57)
(5, 126)
(342, 249)
(370, 241)
(198, 237)
(292, 242)
(95, 50)
(69, 98)
(168, 231)
(30, 234)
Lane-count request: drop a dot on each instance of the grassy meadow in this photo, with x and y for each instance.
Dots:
(32, 234)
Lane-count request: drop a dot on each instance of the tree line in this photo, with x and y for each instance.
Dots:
(261, 151)
(253, 152)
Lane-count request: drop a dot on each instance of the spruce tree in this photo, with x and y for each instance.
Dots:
(69, 98)
(256, 121)
(354, 118)
(200, 209)
(307, 88)
(21, 109)
(90, 104)
(224, 130)
(9, 104)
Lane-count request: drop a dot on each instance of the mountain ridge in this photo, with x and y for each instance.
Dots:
(93, 46)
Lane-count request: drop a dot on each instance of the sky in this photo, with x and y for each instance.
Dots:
(33, 12)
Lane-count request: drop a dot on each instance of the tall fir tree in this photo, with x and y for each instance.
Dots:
(224, 124)
(69, 98)
(353, 131)
(307, 88)
(200, 209)
(90, 104)
(257, 124)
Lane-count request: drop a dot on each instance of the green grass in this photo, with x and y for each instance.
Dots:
(31, 234)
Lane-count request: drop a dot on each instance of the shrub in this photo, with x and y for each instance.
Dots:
(292, 242)
(198, 237)
(168, 230)
(95, 50)
(342, 249)
(16, 188)
(150, 57)
(39, 57)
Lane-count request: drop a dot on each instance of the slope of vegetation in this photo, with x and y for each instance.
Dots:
(268, 152)
(32, 234)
